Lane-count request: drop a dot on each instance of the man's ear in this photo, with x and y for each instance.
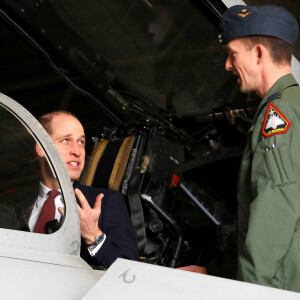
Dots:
(260, 53)
(39, 150)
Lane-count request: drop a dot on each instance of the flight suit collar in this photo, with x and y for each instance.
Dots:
(281, 84)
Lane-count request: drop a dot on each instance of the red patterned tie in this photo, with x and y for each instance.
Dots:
(47, 213)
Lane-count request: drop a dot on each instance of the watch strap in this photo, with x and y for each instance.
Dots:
(97, 241)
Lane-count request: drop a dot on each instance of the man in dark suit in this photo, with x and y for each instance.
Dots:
(106, 229)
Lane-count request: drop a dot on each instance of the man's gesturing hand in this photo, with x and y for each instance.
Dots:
(89, 217)
(195, 269)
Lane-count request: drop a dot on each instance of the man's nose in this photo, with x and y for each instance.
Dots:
(228, 65)
(75, 150)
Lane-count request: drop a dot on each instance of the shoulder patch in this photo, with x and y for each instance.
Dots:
(275, 122)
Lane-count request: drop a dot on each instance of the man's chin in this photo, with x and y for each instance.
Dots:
(74, 177)
(244, 89)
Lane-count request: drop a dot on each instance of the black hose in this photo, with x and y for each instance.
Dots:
(173, 224)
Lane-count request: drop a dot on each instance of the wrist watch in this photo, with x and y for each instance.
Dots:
(98, 240)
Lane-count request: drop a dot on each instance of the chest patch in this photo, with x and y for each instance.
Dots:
(275, 122)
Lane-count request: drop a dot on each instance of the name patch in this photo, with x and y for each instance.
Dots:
(275, 122)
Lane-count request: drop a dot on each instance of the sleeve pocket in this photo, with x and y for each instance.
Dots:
(279, 165)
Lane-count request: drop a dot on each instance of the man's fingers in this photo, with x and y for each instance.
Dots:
(83, 202)
(79, 210)
(61, 211)
(98, 202)
(195, 269)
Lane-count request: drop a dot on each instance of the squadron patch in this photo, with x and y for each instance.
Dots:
(275, 122)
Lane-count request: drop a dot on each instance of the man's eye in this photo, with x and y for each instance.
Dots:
(65, 140)
(82, 142)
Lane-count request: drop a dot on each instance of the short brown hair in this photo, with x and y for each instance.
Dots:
(46, 119)
(280, 50)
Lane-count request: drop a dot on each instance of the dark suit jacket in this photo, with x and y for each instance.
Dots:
(114, 221)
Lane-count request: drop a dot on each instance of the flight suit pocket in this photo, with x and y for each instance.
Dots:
(279, 165)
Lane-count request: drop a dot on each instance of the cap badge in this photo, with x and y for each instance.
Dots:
(275, 122)
(244, 15)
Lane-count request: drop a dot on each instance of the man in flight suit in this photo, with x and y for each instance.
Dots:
(266, 247)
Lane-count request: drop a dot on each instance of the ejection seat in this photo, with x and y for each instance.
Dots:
(142, 167)
(113, 165)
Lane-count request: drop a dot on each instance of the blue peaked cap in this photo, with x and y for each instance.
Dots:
(267, 20)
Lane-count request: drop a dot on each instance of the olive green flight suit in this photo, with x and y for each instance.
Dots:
(269, 194)
(265, 248)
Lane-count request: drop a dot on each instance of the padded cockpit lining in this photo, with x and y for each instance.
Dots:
(108, 163)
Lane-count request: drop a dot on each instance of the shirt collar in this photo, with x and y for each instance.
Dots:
(43, 191)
